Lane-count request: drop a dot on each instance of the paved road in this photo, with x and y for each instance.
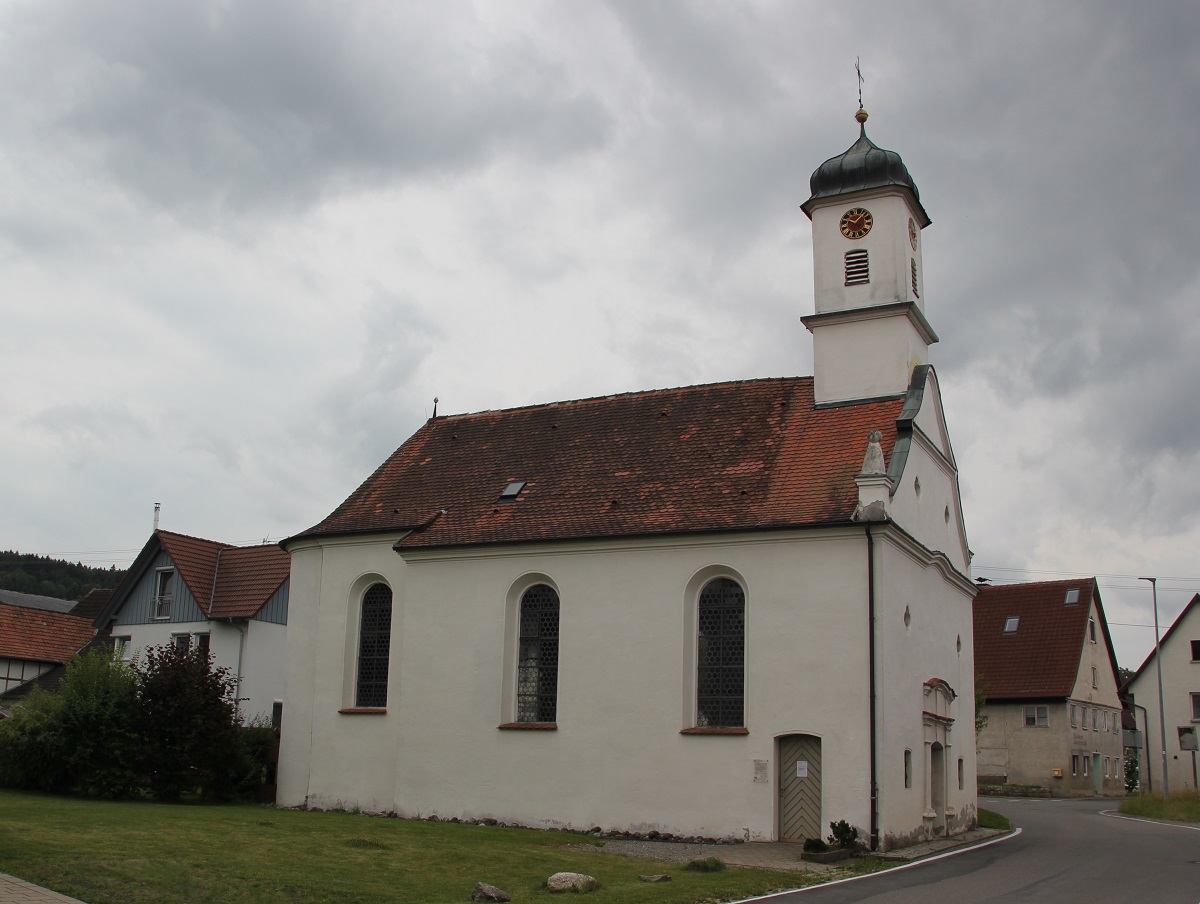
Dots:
(1066, 852)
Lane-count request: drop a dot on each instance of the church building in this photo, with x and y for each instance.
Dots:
(739, 610)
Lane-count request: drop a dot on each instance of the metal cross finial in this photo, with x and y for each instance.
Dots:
(858, 71)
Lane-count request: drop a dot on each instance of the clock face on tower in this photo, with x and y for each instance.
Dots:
(912, 233)
(856, 222)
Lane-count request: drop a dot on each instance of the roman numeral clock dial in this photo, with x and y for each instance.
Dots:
(856, 222)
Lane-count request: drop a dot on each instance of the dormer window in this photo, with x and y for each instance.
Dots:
(1010, 624)
(160, 603)
(512, 490)
(858, 269)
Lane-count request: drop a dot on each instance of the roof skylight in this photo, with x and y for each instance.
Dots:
(1010, 624)
(513, 489)
(1072, 597)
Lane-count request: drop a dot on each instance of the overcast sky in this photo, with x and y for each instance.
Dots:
(244, 245)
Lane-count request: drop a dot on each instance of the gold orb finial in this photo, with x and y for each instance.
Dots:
(861, 116)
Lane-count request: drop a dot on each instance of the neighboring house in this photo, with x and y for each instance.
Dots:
(229, 600)
(1045, 661)
(735, 610)
(35, 645)
(35, 601)
(1180, 647)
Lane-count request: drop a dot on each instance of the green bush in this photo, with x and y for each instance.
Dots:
(707, 865)
(32, 754)
(843, 835)
(815, 846)
(98, 723)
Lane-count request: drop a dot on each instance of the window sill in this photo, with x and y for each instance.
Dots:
(528, 726)
(364, 711)
(715, 731)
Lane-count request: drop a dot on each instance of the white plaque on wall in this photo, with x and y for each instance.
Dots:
(760, 770)
(801, 768)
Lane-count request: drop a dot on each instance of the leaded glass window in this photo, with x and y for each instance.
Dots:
(374, 645)
(537, 656)
(720, 655)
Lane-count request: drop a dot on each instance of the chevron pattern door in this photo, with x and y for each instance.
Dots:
(799, 787)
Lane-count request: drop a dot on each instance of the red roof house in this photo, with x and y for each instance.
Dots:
(1046, 666)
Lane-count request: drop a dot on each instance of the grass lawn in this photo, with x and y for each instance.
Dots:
(992, 820)
(101, 851)
(1183, 806)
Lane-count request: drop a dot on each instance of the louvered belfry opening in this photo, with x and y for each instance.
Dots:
(537, 659)
(912, 263)
(720, 655)
(374, 647)
(858, 269)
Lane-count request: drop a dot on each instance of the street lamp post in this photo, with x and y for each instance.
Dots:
(1162, 719)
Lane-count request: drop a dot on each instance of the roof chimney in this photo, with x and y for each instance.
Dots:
(157, 509)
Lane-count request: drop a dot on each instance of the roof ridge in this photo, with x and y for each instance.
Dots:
(621, 395)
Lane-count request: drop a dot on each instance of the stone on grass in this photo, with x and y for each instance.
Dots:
(485, 892)
(576, 882)
(661, 877)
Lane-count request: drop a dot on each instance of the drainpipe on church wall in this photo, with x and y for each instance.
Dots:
(871, 657)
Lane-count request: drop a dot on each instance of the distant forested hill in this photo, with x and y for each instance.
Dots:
(26, 573)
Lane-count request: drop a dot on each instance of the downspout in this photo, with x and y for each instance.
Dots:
(871, 656)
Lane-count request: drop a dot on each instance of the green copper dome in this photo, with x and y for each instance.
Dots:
(862, 166)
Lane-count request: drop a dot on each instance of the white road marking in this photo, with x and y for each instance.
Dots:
(1113, 814)
(883, 872)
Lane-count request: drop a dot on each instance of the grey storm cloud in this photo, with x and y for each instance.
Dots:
(212, 105)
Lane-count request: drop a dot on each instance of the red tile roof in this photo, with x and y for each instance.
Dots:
(1195, 601)
(1041, 659)
(226, 581)
(41, 635)
(195, 560)
(247, 577)
(726, 456)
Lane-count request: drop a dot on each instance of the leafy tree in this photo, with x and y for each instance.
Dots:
(44, 576)
(98, 722)
(1124, 676)
(1132, 778)
(32, 755)
(188, 724)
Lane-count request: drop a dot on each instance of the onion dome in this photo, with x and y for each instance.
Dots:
(864, 165)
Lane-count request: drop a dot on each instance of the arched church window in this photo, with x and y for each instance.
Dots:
(537, 656)
(720, 655)
(374, 647)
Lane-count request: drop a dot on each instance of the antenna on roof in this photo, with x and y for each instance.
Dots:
(157, 510)
(435, 401)
(858, 72)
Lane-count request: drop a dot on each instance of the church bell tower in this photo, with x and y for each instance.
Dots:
(869, 329)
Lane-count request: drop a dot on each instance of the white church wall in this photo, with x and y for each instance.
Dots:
(617, 758)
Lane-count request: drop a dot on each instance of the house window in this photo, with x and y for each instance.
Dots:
(1010, 624)
(202, 643)
(277, 714)
(1092, 631)
(1196, 651)
(1196, 707)
(537, 656)
(1106, 720)
(122, 647)
(720, 655)
(1037, 716)
(858, 270)
(374, 647)
(1093, 676)
(1095, 718)
(160, 604)
(1073, 715)
(181, 642)
(908, 768)
(1085, 763)
(960, 774)
(1074, 764)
